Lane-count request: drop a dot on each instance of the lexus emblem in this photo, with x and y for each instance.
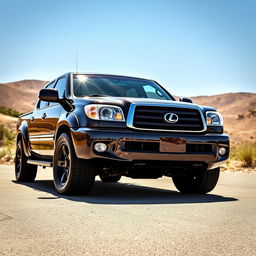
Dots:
(171, 118)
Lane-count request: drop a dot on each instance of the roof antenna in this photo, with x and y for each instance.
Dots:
(76, 61)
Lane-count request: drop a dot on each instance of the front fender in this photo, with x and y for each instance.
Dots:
(70, 119)
(66, 121)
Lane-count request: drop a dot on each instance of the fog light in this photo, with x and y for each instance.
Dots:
(222, 151)
(100, 147)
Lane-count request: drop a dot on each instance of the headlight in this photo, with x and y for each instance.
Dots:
(214, 118)
(104, 112)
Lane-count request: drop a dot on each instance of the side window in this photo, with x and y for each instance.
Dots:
(44, 104)
(61, 88)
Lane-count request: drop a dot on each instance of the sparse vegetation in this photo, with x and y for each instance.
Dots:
(247, 154)
(6, 144)
(5, 151)
(240, 117)
(252, 112)
(233, 153)
(6, 136)
(9, 111)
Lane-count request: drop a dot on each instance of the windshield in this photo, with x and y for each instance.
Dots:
(99, 85)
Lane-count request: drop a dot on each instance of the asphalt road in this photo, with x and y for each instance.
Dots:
(132, 217)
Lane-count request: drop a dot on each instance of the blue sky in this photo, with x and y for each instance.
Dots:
(193, 47)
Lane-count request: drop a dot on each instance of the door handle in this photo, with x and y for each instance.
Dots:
(32, 118)
(44, 116)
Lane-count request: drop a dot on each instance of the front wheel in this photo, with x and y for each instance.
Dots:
(200, 182)
(72, 176)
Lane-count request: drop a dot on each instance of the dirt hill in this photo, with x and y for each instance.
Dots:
(20, 95)
(8, 121)
(239, 113)
(229, 103)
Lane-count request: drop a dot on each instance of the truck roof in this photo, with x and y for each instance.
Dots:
(100, 74)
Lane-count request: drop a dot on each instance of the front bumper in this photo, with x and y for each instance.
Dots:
(85, 138)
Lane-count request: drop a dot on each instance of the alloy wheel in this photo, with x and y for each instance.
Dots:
(63, 165)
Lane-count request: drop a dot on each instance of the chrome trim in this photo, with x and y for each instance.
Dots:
(131, 112)
(41, 163)
(170, 119)
(43, 137)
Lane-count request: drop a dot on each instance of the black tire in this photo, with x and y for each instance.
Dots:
(24, 172)
(200, 182)
(72, 176)
(110, 178)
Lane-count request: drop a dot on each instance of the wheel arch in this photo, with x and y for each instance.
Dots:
(62, 128)
(22, 134)
(66, 122)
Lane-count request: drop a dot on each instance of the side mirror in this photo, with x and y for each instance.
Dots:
(50, 95)
(186, 100)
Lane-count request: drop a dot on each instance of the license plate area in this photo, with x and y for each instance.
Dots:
(173, 145)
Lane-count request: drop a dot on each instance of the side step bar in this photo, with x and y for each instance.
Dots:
(38, 162)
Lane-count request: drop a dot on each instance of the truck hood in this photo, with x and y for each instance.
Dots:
(126, 101)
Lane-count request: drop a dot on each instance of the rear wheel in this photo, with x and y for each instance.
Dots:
(24, 172)
(110, 178)
(72, 176)
(199, 182)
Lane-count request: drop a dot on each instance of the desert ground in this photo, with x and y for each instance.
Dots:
(132, 217)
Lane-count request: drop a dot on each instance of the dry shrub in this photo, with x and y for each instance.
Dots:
(247, 154)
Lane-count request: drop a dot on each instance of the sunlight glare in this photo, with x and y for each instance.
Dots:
(82, 78)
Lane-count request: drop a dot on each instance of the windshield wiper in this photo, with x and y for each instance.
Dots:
(97, 95)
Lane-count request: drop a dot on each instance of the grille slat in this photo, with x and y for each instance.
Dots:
(152, 117)
(168, 125)
(153, 111)
(187, 119)
(142, 147)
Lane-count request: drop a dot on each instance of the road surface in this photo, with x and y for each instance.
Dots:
(132, 217)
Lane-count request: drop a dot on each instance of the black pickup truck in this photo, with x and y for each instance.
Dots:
(84, 125)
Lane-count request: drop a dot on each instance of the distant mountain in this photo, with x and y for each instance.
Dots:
(229, 103)
(20, 95)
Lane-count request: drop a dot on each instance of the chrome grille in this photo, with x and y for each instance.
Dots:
(151, 117)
